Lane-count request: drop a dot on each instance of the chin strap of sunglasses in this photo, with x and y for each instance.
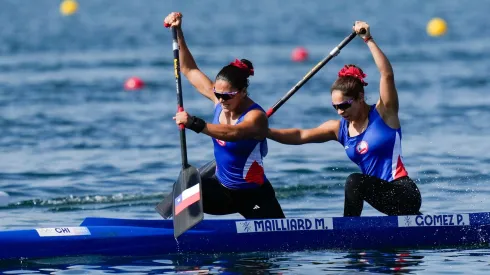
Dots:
(196, 124)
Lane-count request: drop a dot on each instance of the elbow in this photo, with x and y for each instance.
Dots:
(184, 69)
(387, 74)
(297, 140)
(302, 138)
(187, 69)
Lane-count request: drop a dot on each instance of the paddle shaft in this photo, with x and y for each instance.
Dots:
(180, 101)
(312, 72)
(188, 208)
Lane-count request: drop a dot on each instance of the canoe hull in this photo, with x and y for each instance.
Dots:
(125, 237)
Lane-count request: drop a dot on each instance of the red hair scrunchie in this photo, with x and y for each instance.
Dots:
(353, 71)
(239, 64)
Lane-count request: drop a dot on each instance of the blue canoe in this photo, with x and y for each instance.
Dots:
(126, 237)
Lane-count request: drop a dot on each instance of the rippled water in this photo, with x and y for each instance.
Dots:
(74, 144)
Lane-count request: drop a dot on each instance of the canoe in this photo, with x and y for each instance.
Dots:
(133, 237)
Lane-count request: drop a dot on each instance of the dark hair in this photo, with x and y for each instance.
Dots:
(350, 81)
(237, 73)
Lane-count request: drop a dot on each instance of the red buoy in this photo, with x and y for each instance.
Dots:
(299, 54)
(134, 83)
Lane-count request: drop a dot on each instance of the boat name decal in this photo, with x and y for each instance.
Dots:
(290, 224)
(434, 220)
(62, 231)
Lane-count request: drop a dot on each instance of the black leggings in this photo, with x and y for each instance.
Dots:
(255, 203)
(398, 197)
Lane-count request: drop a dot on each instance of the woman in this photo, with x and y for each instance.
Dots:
(371, 136)
(238, 131)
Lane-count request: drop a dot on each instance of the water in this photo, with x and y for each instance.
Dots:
(74, 144)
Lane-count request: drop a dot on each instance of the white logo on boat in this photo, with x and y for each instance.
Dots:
(62, 231)
(434, 220)
(290, 224)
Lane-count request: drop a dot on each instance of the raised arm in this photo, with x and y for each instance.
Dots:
(323, 133)
(188, 65)
(388, 96)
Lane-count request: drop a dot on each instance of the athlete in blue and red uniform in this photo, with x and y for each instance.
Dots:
(371, 136)
(239, 131)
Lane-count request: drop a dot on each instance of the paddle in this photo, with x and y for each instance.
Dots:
(186, 195)
(164, 208)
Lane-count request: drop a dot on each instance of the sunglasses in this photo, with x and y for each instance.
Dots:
(225, 95)
(344, 105)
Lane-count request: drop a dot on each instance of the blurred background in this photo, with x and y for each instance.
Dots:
(87, 95)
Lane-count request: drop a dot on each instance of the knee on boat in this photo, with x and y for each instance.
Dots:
(353, 180)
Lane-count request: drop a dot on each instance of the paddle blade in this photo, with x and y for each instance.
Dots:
(187, 199)
(165, 209)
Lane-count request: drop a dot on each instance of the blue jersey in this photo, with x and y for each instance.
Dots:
(378, 150)
(239, 164)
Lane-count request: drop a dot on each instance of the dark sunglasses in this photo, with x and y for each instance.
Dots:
(343, 105)
(225, 95)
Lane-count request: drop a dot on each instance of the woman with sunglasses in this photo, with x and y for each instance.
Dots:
(371, 136)
(238, 131)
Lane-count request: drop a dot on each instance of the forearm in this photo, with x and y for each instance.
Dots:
(225, 132)
(382, 62)
(286, 136)
(187, 62)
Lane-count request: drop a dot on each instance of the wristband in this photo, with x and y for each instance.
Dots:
(196, 124)
(366, 39)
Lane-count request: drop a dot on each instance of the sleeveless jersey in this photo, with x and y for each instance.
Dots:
(377, 151)
(239, 163)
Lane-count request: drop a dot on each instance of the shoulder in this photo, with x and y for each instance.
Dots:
(389, 117)
(255, 110)
(256, 114)
(341, 127)
(330, 124)
(330, 127)
(383, 111)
